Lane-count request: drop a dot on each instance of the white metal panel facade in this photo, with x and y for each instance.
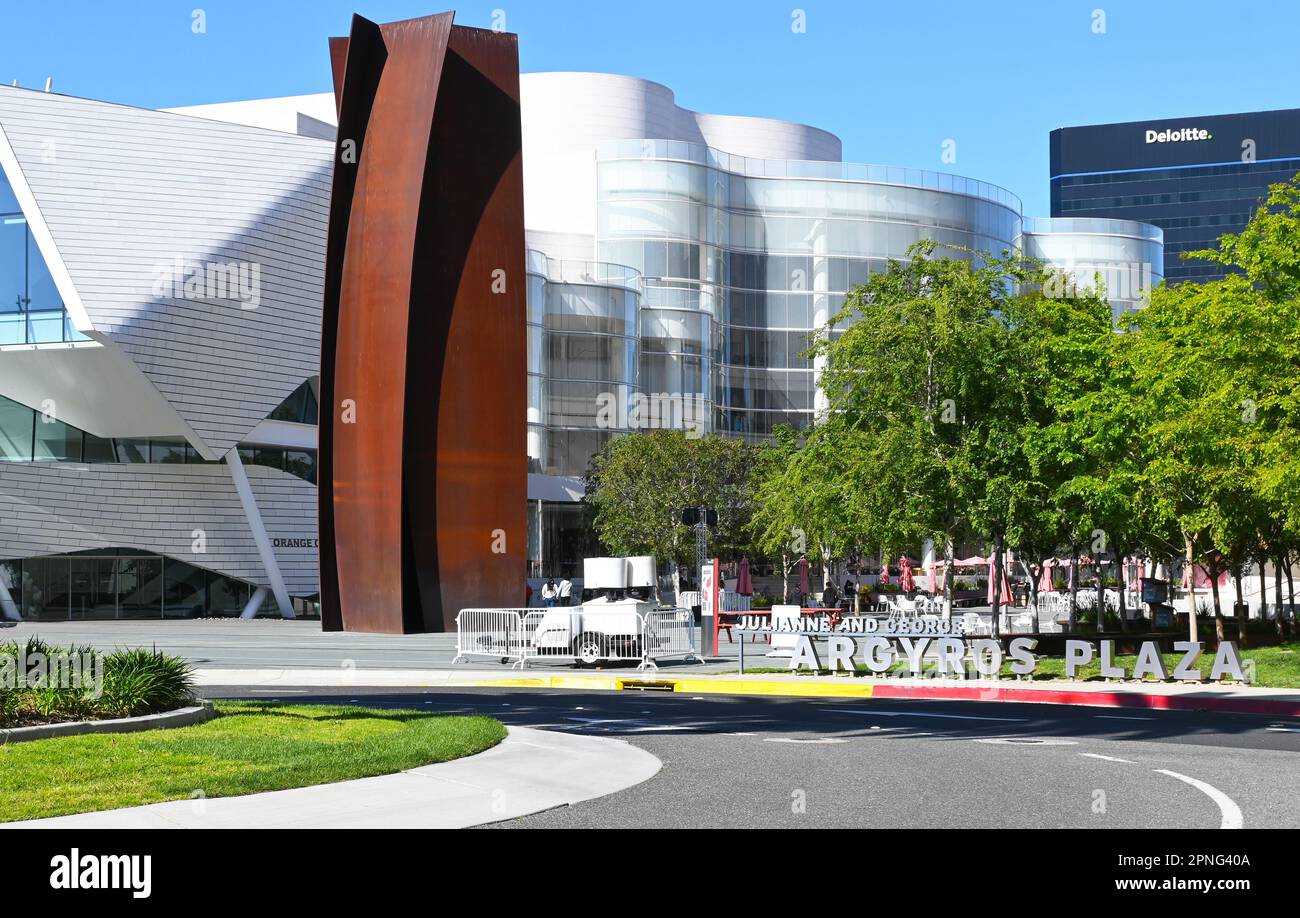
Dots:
(138, 202)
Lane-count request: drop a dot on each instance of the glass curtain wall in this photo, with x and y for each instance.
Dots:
(745, 260)
(582, 358)
(122, 584)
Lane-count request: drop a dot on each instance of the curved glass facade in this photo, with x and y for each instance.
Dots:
(582, 354)
(745, 259)
(1125, 257)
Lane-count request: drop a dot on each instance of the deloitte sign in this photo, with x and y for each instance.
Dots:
(1178, 135)
(882, 645)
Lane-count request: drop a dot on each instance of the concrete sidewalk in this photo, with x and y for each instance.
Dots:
(528, 772)
(1237, 699)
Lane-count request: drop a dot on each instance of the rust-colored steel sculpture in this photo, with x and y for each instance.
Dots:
(422, 465)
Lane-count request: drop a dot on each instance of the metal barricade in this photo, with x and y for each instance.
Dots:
(585, 637)
(668, 633)
(489, 633)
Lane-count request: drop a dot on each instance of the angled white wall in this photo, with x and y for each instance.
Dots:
(130, 194)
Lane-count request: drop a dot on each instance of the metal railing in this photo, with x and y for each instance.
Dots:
(523, 636)
(489, 633)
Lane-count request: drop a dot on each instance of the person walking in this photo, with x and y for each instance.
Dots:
(566, 590)
(549, 593)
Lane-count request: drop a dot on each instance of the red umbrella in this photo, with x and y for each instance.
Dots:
(1006, 585)
(905, 579)
(1045, 578)
(744, 583)
(884, 573)
(803, 575)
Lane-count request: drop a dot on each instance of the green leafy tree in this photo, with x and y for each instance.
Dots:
(639, 484)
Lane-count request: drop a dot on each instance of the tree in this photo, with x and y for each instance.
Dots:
(639, 483)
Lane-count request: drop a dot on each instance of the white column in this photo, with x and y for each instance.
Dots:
(260, 537)
(254, 603)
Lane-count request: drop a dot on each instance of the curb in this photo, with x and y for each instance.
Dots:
(1097, 699)
(181, 717)
(781, 688)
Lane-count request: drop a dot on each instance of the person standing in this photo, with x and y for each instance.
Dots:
(565, 590)
(549, 593)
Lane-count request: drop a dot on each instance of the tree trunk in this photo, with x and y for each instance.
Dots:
(1191, 587)
(1101, 594)
(997, 584)
(1277, 596)
(785, 578)
(1121, 581)
(1218, 605)
(1263, 588)
(1239, 611)
(1290, 592)
(947, 577)
(1074, 585)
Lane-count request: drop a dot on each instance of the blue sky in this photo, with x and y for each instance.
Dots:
(893, 79)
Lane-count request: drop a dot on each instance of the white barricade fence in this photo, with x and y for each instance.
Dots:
(528, 635)
(668, 633)
(489, 633)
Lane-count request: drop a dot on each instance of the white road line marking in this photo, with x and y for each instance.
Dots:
(1105, 758)
(824, 741)
(1232, 818)
(874, 713)
(1118, 717)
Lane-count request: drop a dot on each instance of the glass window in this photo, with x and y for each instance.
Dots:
(170, 451)
(185, 592)
(57, 442)
(97, 449)
(266, 456)
(301, 463)
(45, 588)
(13, 259)
(8, 202)
(132, 450)
(139, 587)
(92, 594)
(226, 596)
(16, 426)
(41, 292)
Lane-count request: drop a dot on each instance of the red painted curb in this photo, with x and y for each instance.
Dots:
(1185, 702)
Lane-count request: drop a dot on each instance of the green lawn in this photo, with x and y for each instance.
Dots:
(250, 747)
(1275, 667)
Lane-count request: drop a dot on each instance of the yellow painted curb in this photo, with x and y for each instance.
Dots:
(695, 686)
(771, 687)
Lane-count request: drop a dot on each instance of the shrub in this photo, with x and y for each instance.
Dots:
(134, 682)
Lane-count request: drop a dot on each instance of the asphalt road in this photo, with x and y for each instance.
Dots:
(787, 763)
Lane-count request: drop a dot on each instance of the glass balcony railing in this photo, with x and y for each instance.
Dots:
(51, 326)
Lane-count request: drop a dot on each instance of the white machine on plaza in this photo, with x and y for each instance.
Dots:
(609, 625)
